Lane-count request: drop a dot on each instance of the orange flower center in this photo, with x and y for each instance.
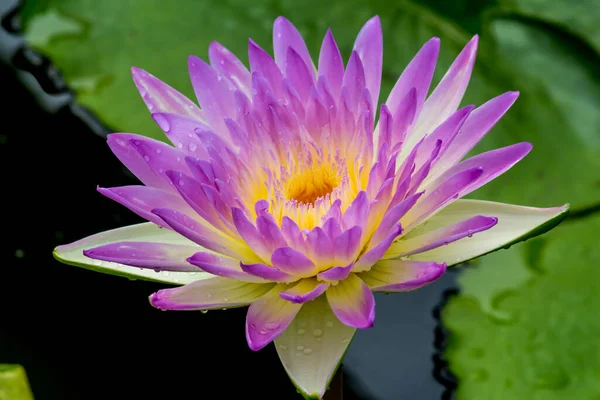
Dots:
(313, 183)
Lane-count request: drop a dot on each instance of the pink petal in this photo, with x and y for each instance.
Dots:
(143, 199)
(293, 262)
(393, 215)
(354, 80)
(268, 317)
(352, 302)
(286, 36)
(227, 64)
(417, 74)
(121, 146)
(369, 46)
(160, 157)
(331, 65)
(477, 125)
(181, 132)
(160, 97)
(347, 245)
(208, 294)
(261, 62)
(206, 237)
(158, 256)
(267, 272)
(374, 254)
(298, 73)
(214, 93)
(336, 274)
(447, 235)
(401, 275)
(448, 94)
(222, 266)
(357, 212)
(303, 291)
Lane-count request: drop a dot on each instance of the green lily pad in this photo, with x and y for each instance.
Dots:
(13, 383)
(577, 16)
(540, 341)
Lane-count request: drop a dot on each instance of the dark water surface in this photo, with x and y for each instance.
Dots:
(84, 335)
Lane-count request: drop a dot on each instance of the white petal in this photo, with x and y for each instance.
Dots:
(312, 347)
(72, 254)
(515, 223)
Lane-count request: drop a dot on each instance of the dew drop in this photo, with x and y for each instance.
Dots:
(147, 158)
(192, 147)
(162, 121)
(272, 326)
(158, 150)
(307, 351)
(283, 347)
(344, 341)
(329, 324)
(318, 332)
(203, 311)
(301, 331)
(299, 348)
(165, 273)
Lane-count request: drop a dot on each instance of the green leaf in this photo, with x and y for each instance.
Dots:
(13, 383)
(577, 16)
(537, 341)
(72, 254)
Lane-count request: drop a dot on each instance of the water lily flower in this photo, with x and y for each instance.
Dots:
(281, 191)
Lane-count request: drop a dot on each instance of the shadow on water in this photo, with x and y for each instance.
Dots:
(83, 335)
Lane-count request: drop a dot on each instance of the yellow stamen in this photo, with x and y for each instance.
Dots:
(310, 184)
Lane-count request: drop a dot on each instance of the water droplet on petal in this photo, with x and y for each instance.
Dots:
(162, 121)
(147, 158)
(329, 324)
(192, 147)
(307, 351)
(272, 326)
(301, 331)
(318, 332)
(203, 311)
(299, 348)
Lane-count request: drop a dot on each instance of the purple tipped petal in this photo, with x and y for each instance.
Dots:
(354, 80)
(299, 75)
(227, 64)
(160, 97)
(160, 157)
(143, 199)
(332, 228)
(477, 125)
(375, 253)
(446, 235)
(417, 74)
(448, 94)
(352, 302)
(208, 294)
(120, 145)
(331, 65)
(250, 234)
(270, 232)
(181, 132)
(448, 191)
(336, 273)
(293, 262)
(268, 317)
(494, 164)
(320, 247)
(267, 272)
(292, 234)
(369, 46)
(303, 291)
(356, 214)
(347, 245)
(261, 62)
(401, 275)
(286, 36)
(205, 236)
(225, 267)
(214, 93)
(158, 256)
(393, 215)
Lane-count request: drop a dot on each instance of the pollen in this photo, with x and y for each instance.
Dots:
(311, 184)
